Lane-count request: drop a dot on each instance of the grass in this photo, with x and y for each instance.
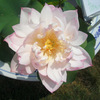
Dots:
(85, 87)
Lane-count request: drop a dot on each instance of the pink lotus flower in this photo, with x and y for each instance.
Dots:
(50, 43)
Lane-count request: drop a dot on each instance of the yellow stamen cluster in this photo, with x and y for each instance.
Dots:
(50, 44)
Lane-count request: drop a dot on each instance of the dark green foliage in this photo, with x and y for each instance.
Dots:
(9, 12)
(68, 6)
(36, 5)
(78, 3)
(6, 53)
(90, 43)
(54, 2)
(84, 44)
(71, 75)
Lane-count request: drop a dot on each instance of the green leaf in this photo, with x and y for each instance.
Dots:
(12, 6)
(78, 3)
(84, 44)
(83, 26)
(42, 1)
(55, 3)
(71, 75)
(50, 2)
(9, 12)
(90, 45)
(0, 40)
(2, 22)
(36, 5)
(6, 53)
(7, 30)
(68, 6)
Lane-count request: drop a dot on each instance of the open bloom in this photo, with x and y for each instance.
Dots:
(50, 43)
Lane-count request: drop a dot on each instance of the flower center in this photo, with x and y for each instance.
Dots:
(50, 44)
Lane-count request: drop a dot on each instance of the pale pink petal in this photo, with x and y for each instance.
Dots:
(25, 13)
(24, 54)
(76, 63)
(25, 70)
(16, 39)
(57, 13)
(77, 51)
(54, 72)
(80, 39)
(22, 70)
(34, 61)
(39, 64)
(70, 55)
(36, 65)
(14, 64)
(24, 58)
(13, 46)
(72, 16)
(58, 21)
(64, 76)
(35, 16)
(22, 30)
(30, 69)
(49, 84)
(70, 32)
(39, 31)
(17, 68)
(88, 61)
(58, 17)
(52, 7)
(30, 38)
(58, 24)
(43, 70)
(46, 15)
(54, 75)
(24, 49)
(79, 57)
(70, 68)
